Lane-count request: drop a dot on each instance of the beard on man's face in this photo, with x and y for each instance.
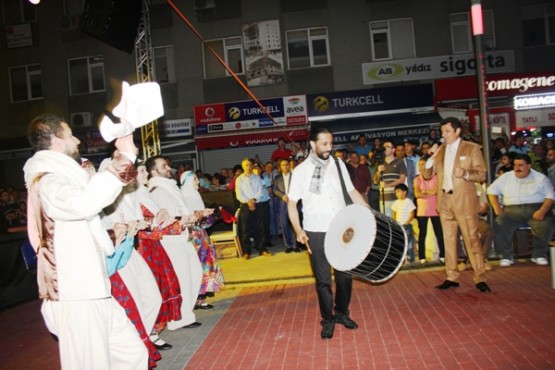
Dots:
(323, 155)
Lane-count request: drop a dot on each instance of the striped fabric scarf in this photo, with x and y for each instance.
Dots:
(317, 176)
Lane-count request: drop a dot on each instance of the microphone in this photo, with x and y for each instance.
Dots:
(431, 152)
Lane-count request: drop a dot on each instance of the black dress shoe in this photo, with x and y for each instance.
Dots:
(296, 250)
(203, 306)
(447, 284)
(346, 321)
(196, 324)
(163, 347)
(483, 287)
(288, 250)
(327, 329)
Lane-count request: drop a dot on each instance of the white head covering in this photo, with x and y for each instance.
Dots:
(193, 200)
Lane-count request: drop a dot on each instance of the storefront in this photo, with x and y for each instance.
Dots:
(516, 101)
(392, 113)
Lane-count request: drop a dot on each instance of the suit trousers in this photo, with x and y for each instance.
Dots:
(322, 272)
(288, 235)
(454, 216)
(259, 219)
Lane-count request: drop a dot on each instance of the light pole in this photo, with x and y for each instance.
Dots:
(477, 32)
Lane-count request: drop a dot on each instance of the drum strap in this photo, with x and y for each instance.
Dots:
(346, 196)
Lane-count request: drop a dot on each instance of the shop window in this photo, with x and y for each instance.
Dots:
(86, 75)
(538, 25)
(461, 32)
(392, 39)
(25, 83)
(308, 48)
(164, 67)
(18, 11)
(231, 51)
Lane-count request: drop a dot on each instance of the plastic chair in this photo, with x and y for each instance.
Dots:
(220, 238)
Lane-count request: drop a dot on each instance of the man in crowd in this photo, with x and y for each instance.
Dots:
(360, 175)
(281, 189)
(458, 165)
(316, 182)
(389, 174)
(255, 210)
(550, 160)
(519, 145)
(363, 147)
(183, 256)
(65, 228)
(528, 197)
(411, 169)
(281, 152)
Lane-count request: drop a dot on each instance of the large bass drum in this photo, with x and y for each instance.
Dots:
(366, 244)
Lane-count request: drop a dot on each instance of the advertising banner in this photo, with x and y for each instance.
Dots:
(248, 115)
(435, 67)
(360, 103)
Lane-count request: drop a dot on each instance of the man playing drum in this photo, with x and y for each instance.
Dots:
(317, 182)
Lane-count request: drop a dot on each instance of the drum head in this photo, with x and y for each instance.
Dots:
(350, 237)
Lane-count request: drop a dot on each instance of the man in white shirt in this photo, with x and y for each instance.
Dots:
(316, 181)
(528, 197)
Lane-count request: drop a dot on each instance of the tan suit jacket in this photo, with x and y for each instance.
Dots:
(468, 157)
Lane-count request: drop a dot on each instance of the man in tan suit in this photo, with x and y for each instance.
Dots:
(458, 165)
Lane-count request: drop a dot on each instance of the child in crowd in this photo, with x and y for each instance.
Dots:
(403, 212)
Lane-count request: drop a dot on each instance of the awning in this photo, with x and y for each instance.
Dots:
(394, 126)
(250, 138)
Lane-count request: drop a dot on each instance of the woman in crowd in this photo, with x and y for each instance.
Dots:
(425, 192)
(212, 279)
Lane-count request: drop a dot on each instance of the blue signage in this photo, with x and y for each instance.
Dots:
(402, 98)
(249, 110)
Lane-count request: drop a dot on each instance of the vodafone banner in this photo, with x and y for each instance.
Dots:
(247, 115)
(247, 139)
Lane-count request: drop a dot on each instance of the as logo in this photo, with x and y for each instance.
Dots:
(320, 104)
(234, 113)
(385, 71)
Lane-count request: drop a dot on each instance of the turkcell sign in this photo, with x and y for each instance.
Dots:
(435, 67)
(245, 115)
(371, 101)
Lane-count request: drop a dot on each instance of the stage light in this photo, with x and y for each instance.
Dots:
(34, 2)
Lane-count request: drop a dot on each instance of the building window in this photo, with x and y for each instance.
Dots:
(164, 67)
(308, 48)
(538, 25)
(461, 32)
(86, 75)
(392, 39)
(231, 51)
(25, 83)
(19, 11)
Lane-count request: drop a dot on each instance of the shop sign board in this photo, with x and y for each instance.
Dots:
(435, 67)
(248, 115)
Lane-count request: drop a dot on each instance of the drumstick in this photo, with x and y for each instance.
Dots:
(308, 247)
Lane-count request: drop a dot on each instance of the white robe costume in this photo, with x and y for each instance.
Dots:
(136, 273)
(182, 254)
(92, 328)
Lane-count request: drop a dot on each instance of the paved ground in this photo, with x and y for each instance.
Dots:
(404, 324)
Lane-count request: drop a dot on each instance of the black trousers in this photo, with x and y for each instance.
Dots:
(258, 220)
(322, 272)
